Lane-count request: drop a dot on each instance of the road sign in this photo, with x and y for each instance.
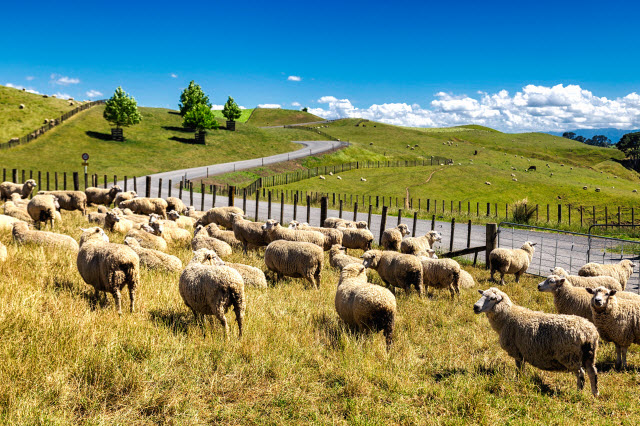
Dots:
(85, 156)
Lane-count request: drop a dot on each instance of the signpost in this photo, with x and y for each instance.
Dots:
(85, 157)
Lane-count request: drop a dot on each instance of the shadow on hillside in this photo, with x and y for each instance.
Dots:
(191, 140)
(176, 321)
(173, 112)
(98, 135)
(178, 129)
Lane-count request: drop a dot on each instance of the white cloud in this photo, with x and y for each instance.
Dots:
(269, 106)
(29, 77)
(28, 90)
(295, 104)
(534, 108)
(217, 107)
(62, 95)
(63, 80)
(173, 75)
(294, 78)
(93, 93)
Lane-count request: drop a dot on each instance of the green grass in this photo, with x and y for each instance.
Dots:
(158, 143)
(65, 360)
(246, 113)
(16, 122)
(278, 117)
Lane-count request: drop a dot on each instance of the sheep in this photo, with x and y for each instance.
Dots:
(174, 203)
(147, 239)
(203, 240)
(465, 280)
(252, 276)
(209, 288)
(568, 299)
(620, 271)
(250, 234)
(146, 206)
(220, 216)
(513, 175)
(356, 238)
(363, 305)
(392, 237)
(322, 177)
(593, 282)
(339, 259)
(8, 188)
(98, 218)
(23, 235)
(124, 196)
(330, 173)
(19, 201)
(549, 342)
(101, 196)
(169, 233)
(6, 223)
(597, 189)
(214, 231)
(115, 223)
(396, 269)
(331, 236)
(487, 183)
(441, 273)
(508, 261)
(415, 245)
(362, 179)
(181, 221)
(192, 212)
(43, 208)
(335, 222)
(617, 320)
(3, 253)
(276, 232)
(69, 200)
(154, 259)
(10, 209)
(295, 259)
(339, 178)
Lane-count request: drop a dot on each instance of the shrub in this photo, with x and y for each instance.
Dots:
(522, 213)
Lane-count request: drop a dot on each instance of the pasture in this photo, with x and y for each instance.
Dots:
(246, 113)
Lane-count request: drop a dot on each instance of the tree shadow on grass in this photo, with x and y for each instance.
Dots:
(176, 321)
(190, 141)
(98, 135)
(178, 129)
(173, 112)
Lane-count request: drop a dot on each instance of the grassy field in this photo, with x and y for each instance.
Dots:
(246, 113)
(158, 143)
(16, 122)
(278, 117)
(66, 360)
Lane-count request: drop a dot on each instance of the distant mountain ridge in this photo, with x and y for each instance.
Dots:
(611, 133)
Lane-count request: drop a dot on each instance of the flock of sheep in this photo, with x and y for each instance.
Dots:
(591, 305)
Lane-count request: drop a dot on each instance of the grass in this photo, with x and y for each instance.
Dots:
(16, 122)
(246, 113)
(158, 143)
(278, 117)
(66, 360)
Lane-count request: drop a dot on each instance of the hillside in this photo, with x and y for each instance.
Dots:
(16, 122)
(246, 113)
(277, 117)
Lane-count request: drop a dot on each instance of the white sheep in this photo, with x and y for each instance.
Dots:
(392, 237)
(3, 253)
(396, 269)
(322, 177)
(295, 259)
(593, 282)
(202, 239)
(339, 259)
(43, 208)
(508, 261)
(441, 273)
(363, 179)
(620, 271)
(154, 259)
(415, 245)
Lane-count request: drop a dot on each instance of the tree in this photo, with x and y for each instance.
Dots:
(192, 96)
(580, 138)
(305, 109)
(200, 118)
(231, 110)
(599, 140)
(630, 145)
(122, 111)
(569, 135)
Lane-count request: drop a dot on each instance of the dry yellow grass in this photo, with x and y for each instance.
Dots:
(65, 360)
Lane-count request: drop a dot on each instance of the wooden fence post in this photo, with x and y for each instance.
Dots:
(308, 209)
(453, 229)
(76, 181)
(469, 234)
(559, 213)
(55, 176)
(491, 240)
(619, 214)
(340, 211)
(147, 189)
(257, 204)
(215, 194)
(269, 205)
(135, 185)
(179, 188)
(191, 194)
(355, 211)
(433, 222)
(548, 213)
(244, 199)
(203, 192)
(369, 217)
(105, 182)
(383, 222)
(169, 185)
(488, 209)
(14, 175)
(160, 188)
(281, 207)
(324, 201)
(39, 179)
(86, 181)
(295, 206)
(415, 223)
(64, 181)
(232, 196)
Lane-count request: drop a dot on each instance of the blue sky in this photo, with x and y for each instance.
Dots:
(365, 53)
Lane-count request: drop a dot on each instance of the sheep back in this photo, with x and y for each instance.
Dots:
(295, 259)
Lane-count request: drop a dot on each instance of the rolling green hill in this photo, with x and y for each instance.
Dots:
(246, 113)
(279, 117)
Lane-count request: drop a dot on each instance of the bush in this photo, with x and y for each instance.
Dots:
(522, 213)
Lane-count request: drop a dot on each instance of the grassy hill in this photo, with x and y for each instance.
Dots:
(158, 143)
(16, 122)
(246, 113)
(278, 117)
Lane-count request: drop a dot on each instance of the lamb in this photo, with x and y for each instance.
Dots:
(392, 237)
(276, 232)
(154, 259)
(43, 208)
(146, 206)
(147, 239)
(220, 216)
(252, 276)
(617, 320)
(441, 273)
(592, 282)
(396, 269)
(174, 203)
(115, 223)
(549, 342)
(203, 240)
(295, 259)
(124, 196)
(511, 261)
(620, 271)
(209, 288)
(331, 236)
(363, 305)
(356, 238)
(101, 196)
(69, 200)
(8, 188)
(23, 235)
(227, 236)
(6, 223)
(415, 245)
(10, 209)
(248, 233)
(181, 221)
(3, 253)
(339, 259)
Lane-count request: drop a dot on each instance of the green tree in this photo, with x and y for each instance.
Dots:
(192, 96)
(121, 110)
(305, 109)
(569, 135)
(599, 140)
(231, 110)
(630, 145)
(200, 118)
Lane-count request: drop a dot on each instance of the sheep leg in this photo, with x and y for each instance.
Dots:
(624, 357)
(452, 292)
(219, 313)
(502, 278)
(132, 297)
(420, 289)
(519, 366)
(493, 271)
(317, 277)
(118, 299)
(618, 357)
(593, 376)
(96, 296)
(518, 276)
(239, 318)
(580, 377)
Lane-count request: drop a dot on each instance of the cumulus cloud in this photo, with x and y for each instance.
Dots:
(63, 80)
(294, 78)
(26, 89)
(93, 94)
(295, 104)
(173, 75)
(29, 77)
(62, 95)
(269, 106)
(534, 108)
(217, 107)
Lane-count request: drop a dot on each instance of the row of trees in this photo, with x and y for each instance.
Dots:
(597, 140)
(629, 144)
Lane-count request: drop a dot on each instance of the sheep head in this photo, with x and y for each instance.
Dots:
(489, 300)
(371, 258)
(93, 234)
(601, 297)
(552, 283)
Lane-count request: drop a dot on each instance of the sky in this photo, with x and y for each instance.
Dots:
(513, 66)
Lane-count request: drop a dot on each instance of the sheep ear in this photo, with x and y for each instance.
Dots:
(83, 229)
(590, 290)
(481, 292)
(561, 280)
(612, 292)
(550, 269)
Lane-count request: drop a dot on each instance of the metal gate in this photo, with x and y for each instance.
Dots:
(569, 250)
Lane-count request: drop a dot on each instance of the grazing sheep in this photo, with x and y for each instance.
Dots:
(169, 233)
(19, 201)
(365, 306)
(220, 216)
(19, 213)
(415, 245)
(441, 273)
(250, 234)
(276, 232)
(295, 259)
(147, 239)
(620, 271)
(210, 288)
(356, 238)
(339, 178)
(23, 235)
(331, 236)
(597, 189)
(465, 280)
(511, 261)
(101, 196)
(124, 196)
(6, 223)
(322, 177)
(174, 203)
(252, 276)
(113, 222)
(392, 237)
(8, 188)
(203, 240)
(192, 212)
(227, 236)
(567, 299)
(183, 222)
(339, 259)
(3, 253)
(146, 206)
(69, 200)
(549, 342)
(592, 282)
(336, 222)
(396, 269)
(97, 218)
(487, 183)
(362, 179)
(154, 259)
(43, 208)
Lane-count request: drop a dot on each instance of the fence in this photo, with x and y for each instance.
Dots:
(50, 125)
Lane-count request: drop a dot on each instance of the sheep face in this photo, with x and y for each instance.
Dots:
(490, 298)
(629, 265)
(404, 229)
(173, 215)
(528, 247)
(156, 228)
(370, 259)
(95, 233)
(552, 283)
(434, 236)
(294, 224)
(361, 224)
(270, 224)
(601, 296)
